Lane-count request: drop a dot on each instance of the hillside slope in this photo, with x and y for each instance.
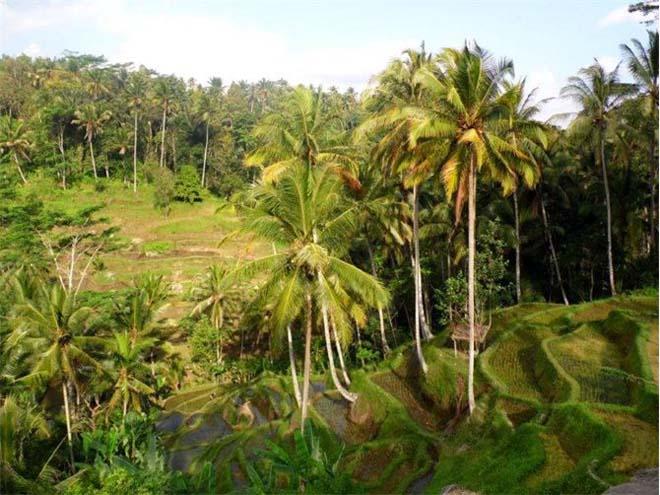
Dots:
(567, 404)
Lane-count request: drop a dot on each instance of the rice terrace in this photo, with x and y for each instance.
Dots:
(241, 253)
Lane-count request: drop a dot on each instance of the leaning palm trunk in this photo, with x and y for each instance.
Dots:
(608, 206)
(418, 306)
(517, 224)
(20, 170)
(206, 148)
(307, 363)
(340, 354)
(426, 332)
(654, 170)
(553, 253)
(67, 415)
(472, 207)
(162, 139)
(135, 134)
(381, 319)
(350, 397)
(292, 360)
(91, 152)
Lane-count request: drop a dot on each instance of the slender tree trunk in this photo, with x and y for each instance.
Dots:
(517, 225)
(206, 148)
(307, 363)
(472, 214)
(551, 244)
(608, 206)
(135, 135)
(340, 354)
(125, 408)
(91, 152)
(418, 307)
(350, 397)
(654, 171)
(381, 319)
(292, 361)
(20, 170)
(60, 145)
(67, 415)
(162, 139)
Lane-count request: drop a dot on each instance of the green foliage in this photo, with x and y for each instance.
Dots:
(186, 185)
(164, 189)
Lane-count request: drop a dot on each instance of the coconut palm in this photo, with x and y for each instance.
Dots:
(398, 89)
(460, 134)
(165, 93)
(50, 328)
(15, 142)
(642, 62)
(303, 132)
(309, 283)
(136, 90)
(129, 371)
(216, 297)
(91, 119)
(597, 92)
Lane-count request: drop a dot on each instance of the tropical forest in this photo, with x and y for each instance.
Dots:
(428, 285)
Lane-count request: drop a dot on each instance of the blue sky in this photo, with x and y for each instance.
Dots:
(328, 42)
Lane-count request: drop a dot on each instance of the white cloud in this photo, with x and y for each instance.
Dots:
(548, 87)
(608, 62)
(619, 16)
(201, 46)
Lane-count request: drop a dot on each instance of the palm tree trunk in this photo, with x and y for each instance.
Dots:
(654, 170)
(553, 253)
(418, 308)
(20, 170)
(608, 206)
(426, 332)
(135, 134)
(472, 214)
(340, 354)
(292, 361)
(307, 363)
(381, 319)
(162, 139)
(91, 152)
(67, 414)
(350, 397)
(206, 147)
(517, 225)
(60, 145)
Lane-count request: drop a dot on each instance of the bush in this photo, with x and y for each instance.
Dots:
(187, 187)
(164, 188)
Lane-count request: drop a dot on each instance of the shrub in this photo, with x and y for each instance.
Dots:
(187, 187)
(164, 188)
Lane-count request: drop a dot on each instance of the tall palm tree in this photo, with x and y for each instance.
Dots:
(398, 89)
(91, 119)
(136, 89)
(50, 328)
(642, 63)
(216, 297)
(463, 130)
(309, 283)
(129, 371)
(524, 132)
(597, 92)
(15, 141)
(164, 90)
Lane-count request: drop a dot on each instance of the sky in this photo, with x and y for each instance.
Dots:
(338, 43)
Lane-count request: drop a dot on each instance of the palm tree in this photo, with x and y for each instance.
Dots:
(50, 328)
(15, 141)
(302, 133)
(136, 90)
(165, 93)
(597, 92)
(91, 119)
(642, 63)
(399, 89)
(523, 132)
(308, 281)
(129, 371)
(215, 298)
(463, 132)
